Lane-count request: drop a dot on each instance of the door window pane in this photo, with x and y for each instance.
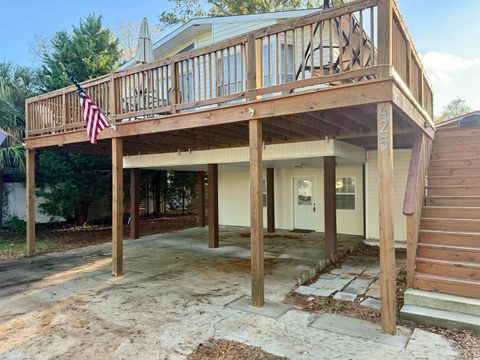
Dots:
(304, 192)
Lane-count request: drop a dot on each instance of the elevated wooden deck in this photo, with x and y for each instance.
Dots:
(349, 73)
(327, 83)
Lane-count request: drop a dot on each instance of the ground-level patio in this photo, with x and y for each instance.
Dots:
(174, 295)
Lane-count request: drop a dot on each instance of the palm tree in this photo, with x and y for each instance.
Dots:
(16, 84)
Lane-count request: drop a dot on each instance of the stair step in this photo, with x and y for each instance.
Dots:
(453, 180)
(449, 224)
(453, 190)
(442, 134)
(450, 238)
(447, 284)
(441, 318)
(441, 301)
(448, 252)
(454, 163)
(454, 212)
(450, 148)
(461, 170)
(458, 269)
(457, 155)
(469, 201)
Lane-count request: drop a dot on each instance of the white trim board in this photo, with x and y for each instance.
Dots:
(315, 150)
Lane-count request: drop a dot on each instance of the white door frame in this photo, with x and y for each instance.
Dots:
(314, 178)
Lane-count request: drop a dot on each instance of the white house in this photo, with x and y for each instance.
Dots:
(298, 167)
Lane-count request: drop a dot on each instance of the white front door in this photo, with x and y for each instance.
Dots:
(304, 203)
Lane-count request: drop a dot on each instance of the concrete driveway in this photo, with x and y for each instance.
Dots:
(171, 298)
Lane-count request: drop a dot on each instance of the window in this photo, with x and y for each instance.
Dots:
(273, 63)
(304, 192)
(345, 193)
(232, 87)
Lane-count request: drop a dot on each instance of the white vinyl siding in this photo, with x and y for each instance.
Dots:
(234, 199)
(228, 30)
(401, 163)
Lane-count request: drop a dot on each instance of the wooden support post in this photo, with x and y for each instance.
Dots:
(30, 204)
(134, 203)
(212, 205)
(385, 206)
(256, 213)
(330, 213)
(270, 200)
(385, 37)
(201, 198)
(117, 207)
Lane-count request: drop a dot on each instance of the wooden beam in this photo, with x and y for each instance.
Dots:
(271, 200)
(384, 36)
(201, 198)
(212, 205)
(408, 107)
(134, 202)
(386, 213)
(30, 204)
(330, 211)
(256, 213)
(117, 207)
(361, 93)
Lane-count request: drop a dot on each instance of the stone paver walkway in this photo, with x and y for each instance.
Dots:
(356, 280)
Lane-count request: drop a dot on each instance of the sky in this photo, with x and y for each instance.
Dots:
(445, 35)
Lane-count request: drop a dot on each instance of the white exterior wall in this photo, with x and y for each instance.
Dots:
(17, 200)
(401, 163)
(234, 199)
(228, 30)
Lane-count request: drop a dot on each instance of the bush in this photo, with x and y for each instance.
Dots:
(14, 224)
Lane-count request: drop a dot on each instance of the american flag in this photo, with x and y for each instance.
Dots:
(95, 119)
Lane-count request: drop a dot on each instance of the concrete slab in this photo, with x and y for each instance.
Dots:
(442, 318)
(345, 296)
(270, 309)
(440, 301)
(360, 329)
(323, 292)
(305, 290)
(320, 283)
(172, 298)
(329, 276)
(373, 292)
(371, 303)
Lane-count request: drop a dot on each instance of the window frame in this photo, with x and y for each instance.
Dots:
(354, 193)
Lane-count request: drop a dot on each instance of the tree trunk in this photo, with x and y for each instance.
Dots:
(81, 214)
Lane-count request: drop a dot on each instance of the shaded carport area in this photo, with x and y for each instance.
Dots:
(174, 295)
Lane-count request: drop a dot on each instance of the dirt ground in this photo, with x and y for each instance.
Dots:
(230, 350)
(61, 237)
(467, 341)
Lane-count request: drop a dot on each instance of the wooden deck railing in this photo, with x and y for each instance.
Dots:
(326, 48)
(407, 64)
(414, 198)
